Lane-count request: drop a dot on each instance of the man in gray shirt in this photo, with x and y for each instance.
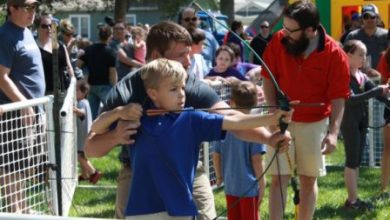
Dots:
(374, 37)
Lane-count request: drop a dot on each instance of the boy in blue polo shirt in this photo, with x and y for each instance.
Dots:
(165, 154)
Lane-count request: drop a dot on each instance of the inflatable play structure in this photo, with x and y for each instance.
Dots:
(334, 14)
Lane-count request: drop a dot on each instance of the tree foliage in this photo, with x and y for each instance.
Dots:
(169, 8)
(227, 8)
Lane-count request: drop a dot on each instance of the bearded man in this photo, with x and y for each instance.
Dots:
(309, 66)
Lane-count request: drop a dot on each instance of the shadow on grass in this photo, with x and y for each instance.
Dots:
(331, 212)
(102, 214)
(110, 175)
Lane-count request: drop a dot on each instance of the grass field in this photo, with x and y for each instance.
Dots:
(99, 201)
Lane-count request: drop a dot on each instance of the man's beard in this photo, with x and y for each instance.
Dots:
(296, 48)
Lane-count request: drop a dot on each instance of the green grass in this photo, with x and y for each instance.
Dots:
(100, 202)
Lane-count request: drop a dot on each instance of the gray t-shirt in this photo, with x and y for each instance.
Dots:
(375, 44)
(121, 68)
(20, 53)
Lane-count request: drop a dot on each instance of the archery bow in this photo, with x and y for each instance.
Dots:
(282, 100)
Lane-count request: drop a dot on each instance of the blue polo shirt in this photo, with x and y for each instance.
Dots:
(164, 159)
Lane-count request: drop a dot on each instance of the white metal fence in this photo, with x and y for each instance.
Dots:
(68, 148)
(28, 178)
(373, 152)
(25, 157)
(223, 92)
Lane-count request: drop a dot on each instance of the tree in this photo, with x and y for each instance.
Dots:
(120, 10)
(227, 8)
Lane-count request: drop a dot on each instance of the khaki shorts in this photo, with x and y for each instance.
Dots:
(158, 216)
(304, 153)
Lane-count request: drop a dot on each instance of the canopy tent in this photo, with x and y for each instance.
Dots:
(271, 14)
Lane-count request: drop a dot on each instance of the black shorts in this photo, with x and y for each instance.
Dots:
(386, 116)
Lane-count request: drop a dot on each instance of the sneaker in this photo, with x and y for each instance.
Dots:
(358, 205)
(94, 178)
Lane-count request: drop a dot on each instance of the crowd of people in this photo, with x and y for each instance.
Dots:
(171, 69)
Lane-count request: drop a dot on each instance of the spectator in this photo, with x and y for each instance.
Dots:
(353, 24)
(21, 78)
(249, 70)
(374, 37)
(82, 44)
(354, 126)
(124, 51)
(304, 58)
(224, 70)
(238, 29)
(84, 121)
(198, 65)
(138, 35)
(70, 41)
(188, 19)
(259, 42)
(164, 169)
(169, 40)
(241, 163)
(384, 69)
(102, 76)
(44, 26)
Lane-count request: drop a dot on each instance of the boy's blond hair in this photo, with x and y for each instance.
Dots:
(157, 70)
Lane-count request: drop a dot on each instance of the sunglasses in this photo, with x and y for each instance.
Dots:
(368, 16)
(193, 19)
(264, 26)
(28, 8)
(45, 26)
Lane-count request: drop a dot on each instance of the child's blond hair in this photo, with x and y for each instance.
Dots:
(138, 31)
(157, 70)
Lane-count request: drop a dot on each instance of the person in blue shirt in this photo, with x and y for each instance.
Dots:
(21, 78)
(166, 151)
(243, 193)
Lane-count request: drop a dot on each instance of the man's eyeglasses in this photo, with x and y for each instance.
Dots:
(45, 26)
(193, 19)
(291, 31)
(264, 26)
(28, 8)
(368, 16)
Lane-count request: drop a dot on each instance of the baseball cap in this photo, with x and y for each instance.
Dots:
(21, 2)
(355, 16)
(369, 9)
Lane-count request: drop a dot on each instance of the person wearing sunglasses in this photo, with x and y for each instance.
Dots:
(189, 20)
(70, 41)
(260, 42)
(21, 78)
(311, 67)
(44, 27)
(374, 37)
